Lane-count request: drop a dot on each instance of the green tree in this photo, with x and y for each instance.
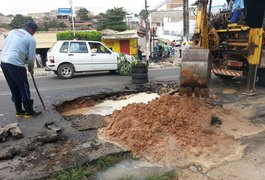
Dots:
(50, 24)
(144, 15)
(82, 14)
(113, 19)
(19, 21)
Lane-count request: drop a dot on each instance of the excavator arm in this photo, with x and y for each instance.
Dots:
(194, 69)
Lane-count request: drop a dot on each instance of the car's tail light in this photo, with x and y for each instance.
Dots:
(52, 59)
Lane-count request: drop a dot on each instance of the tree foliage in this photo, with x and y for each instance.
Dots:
(47, 24)
(19, 21)
(113, 19)
(144, 14)
(82, 14)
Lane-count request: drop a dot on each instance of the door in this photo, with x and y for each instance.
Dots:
(79, 56)
(125, 46)
(102, 57)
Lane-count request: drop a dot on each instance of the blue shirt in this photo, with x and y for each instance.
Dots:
(238, 4)
(19, 49)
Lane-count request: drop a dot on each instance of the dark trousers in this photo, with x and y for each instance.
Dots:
(17, 81)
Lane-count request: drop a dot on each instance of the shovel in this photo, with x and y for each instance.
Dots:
(37, 90)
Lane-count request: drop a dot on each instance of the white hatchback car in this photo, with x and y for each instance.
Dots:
(70, 56)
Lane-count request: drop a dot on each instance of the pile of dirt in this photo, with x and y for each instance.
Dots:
(168, 128)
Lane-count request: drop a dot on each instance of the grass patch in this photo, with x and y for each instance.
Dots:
(126, 178)
(83, 172)
(167, 176)
(78, 172)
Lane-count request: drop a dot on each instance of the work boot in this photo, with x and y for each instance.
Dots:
(29, 109)
(20, 111)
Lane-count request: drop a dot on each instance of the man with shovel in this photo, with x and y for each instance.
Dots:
(18, 53)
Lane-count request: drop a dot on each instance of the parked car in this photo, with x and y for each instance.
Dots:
(67, 57)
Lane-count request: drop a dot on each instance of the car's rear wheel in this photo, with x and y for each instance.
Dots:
(65, 71)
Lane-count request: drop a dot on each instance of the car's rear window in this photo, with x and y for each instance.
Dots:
(64, 47)
(51, 47)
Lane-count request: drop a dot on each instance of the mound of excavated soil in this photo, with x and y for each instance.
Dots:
(168, 129)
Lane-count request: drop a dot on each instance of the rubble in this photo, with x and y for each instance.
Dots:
(8, 153)
(10, 129)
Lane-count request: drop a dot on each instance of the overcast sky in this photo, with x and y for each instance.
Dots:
(96, 6)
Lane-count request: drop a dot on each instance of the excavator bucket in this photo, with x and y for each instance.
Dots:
(194, 72)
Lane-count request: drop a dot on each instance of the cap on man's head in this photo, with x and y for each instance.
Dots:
(32, 25)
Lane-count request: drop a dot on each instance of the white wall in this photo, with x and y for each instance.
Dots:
(174, 30)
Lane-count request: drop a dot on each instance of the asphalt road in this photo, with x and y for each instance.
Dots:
(56, 90)
(51, 87)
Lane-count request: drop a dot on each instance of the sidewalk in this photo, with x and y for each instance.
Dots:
(37, 72)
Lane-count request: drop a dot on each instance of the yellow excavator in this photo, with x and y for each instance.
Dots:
(225, 49)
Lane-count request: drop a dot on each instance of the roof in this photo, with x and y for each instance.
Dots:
(110, 34)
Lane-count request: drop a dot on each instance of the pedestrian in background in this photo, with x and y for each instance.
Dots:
(166, 51)
(18, 53)
(156, 52)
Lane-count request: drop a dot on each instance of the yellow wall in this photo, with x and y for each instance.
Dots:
(114, 44)
(133, 46)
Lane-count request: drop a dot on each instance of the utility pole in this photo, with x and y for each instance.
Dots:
(147, 32)
(73, 22)
(186, 19)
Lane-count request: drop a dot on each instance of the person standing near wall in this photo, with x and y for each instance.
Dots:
(18, 54)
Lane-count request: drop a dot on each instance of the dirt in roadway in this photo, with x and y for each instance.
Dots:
(177, 130)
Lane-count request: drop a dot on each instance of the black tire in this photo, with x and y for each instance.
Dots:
(55, 72)
(140, 65)
(139, 81)
(261, 77)
(113, 71)
(65, 71)
(139, 70)
(139, 76)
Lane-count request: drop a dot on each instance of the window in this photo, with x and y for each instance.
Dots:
(98, 48)
(64, 48)
(78, 47)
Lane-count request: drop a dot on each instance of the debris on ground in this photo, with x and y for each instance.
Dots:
(166, 62)
(52, 126)
(168, 129)
(10, 130)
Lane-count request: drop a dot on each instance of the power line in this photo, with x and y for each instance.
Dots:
(162, 3)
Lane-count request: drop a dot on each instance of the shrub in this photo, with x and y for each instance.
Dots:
(81, 35)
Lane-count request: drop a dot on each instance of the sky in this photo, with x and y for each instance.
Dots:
(95, 6)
